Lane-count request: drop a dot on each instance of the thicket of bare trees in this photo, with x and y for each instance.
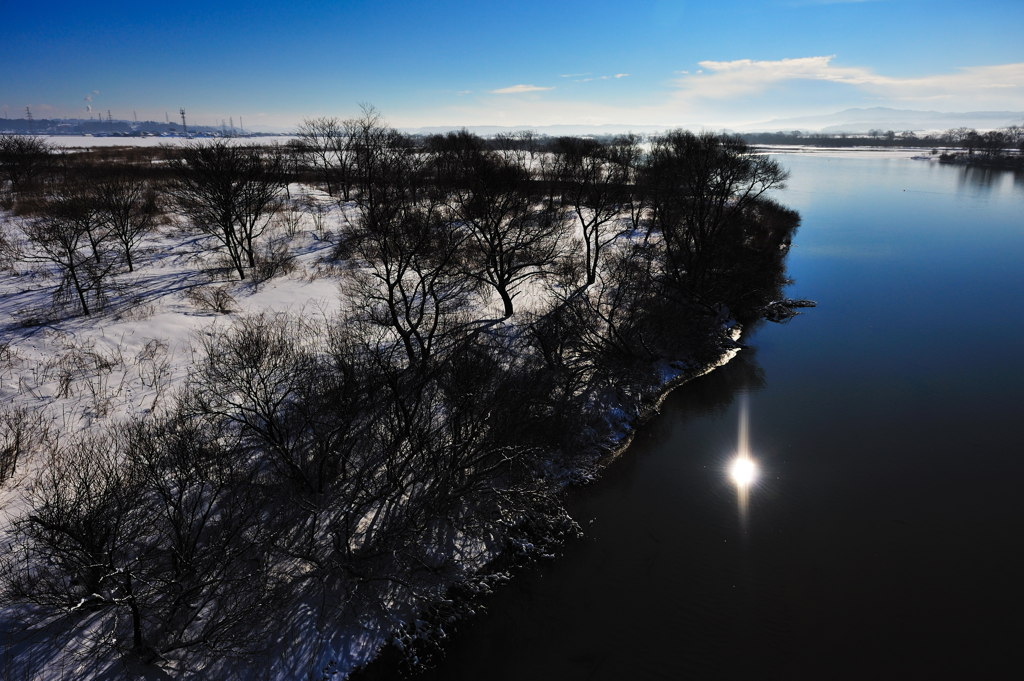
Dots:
(230, 192)
(312, 475)
(21, 160)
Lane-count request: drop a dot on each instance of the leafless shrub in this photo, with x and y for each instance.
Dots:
(289, 220)
(317, 212)
(153, 364)
(21, 431)
(6, 355)
(274, 259)
(129, 208)
(10, 250)
(33, 316)
(144, 544)
(211, 299)
(21, 159)
(84, 370)
(137, 310)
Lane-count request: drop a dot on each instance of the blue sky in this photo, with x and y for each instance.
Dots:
(452, 62)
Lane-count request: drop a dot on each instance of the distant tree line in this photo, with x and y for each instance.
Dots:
(502, 297)
(1008, 140)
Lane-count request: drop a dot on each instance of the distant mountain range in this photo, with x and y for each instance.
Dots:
(851, 121)
(859, 121)
(549, 130)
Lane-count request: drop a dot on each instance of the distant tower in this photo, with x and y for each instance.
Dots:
(232, 119)
(241, 125)
(183, 126)
(110, 119)
(28, 117)
(135, 116)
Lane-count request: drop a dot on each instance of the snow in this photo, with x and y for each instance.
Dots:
(87, 141)
(845, 152)
(82, 373)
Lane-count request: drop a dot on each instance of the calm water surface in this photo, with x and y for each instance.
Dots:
(884, 537)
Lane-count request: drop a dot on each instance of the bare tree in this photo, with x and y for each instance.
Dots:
(128, 207)
(21, 158)
(146, 543)
(592, 188)
(327, 144)
(378, 153)
(71, 237)
(626, 153)
(514, 236)
(699, 183)
(413, 284)
(230, 192)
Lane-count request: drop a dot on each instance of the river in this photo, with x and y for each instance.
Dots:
(883, 538)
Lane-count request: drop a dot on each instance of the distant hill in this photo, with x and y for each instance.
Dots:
(851, 121)
(549, 130)
(860, 121)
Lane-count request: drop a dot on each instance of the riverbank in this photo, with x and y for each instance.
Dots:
(391, 659)
(996, 162)
(852, 549)
(361, 464)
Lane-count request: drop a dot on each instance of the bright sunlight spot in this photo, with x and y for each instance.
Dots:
(743, 470)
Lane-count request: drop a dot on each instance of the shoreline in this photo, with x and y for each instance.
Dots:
(650, 406)
(590, 467)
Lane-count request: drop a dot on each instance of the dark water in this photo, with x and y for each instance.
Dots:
(885, 534)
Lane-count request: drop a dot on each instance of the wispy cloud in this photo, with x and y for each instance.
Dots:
(573, 75)
(738, 93)
(745, 77)
(519, 89)
(612, 77)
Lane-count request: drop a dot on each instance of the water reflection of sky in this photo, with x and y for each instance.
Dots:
(881, 539)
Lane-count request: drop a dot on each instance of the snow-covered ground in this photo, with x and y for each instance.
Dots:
(84, 372)
(80, 141)
(125, 359)
(846, 152)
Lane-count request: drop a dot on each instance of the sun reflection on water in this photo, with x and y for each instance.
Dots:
(743, 469)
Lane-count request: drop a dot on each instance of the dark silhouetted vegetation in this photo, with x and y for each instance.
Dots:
(501, 299)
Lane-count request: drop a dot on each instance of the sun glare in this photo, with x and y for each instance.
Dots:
(743, 470)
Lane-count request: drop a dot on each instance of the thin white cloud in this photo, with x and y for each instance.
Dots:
(573, 75)
(746, 77)
(740, 93)
(611, 77)
(519, 89)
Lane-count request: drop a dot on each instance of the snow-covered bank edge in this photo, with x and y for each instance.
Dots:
(587, 467)
(651, 405)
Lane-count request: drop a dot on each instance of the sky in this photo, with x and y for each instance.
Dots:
(456, 63)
